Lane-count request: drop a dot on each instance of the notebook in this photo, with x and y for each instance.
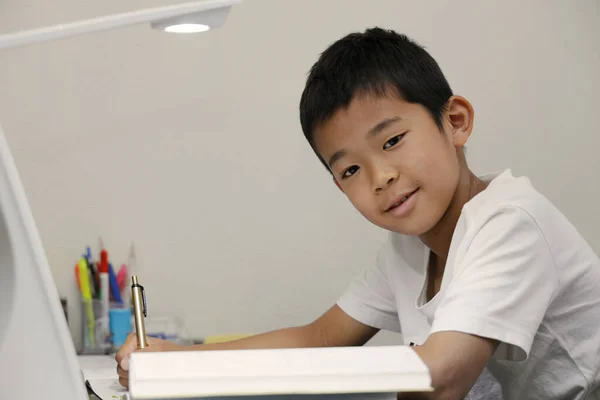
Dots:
(377, 372)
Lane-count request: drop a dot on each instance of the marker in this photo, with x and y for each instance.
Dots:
(77, 276)
(114, 287)
(86, 295)
(122, 277)
(104, 288)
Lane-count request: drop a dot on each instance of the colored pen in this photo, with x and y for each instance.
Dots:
(104, 288)
(122, 277)
(87, 299)
(77, 277)
(114, 287)
(93, 279)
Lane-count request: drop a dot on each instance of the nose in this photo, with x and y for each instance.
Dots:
(383, 177)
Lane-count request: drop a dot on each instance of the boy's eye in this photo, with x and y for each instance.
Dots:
(392, 142)
(348, 172)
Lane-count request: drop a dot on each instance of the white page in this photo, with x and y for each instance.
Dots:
(101, 373)
(108, 389)
(98, 367)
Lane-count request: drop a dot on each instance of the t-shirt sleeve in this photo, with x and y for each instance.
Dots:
(502, 285)
(369, 298)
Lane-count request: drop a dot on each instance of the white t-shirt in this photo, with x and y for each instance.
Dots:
(518, 272)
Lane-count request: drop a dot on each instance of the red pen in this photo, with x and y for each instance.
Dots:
(104, 285)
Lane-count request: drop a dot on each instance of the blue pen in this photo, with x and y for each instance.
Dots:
(114, 287)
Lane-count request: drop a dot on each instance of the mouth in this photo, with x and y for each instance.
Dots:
(401, 200)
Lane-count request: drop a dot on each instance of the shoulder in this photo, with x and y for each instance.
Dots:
(508, 223)
(510, 201)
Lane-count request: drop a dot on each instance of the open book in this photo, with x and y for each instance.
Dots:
(339, 372)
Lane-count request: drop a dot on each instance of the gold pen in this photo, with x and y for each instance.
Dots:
(139, 311)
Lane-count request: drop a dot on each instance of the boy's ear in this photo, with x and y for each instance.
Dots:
(337, 184)
(459, 118)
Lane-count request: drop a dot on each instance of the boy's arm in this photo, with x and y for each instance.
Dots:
(455, 361)
(500, 293)
(334, 328)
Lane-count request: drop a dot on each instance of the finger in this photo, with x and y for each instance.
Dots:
(128, 346)
(122, 373)
(124, 382)
(154, 344)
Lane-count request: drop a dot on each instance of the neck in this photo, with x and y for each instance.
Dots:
(439, 237)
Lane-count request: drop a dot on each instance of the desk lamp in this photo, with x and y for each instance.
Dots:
(37, 355)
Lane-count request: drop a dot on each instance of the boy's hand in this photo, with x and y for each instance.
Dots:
(130, 346)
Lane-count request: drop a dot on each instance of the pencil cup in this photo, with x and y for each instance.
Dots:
(96, 334)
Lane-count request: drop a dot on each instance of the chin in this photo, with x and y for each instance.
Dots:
(409, 231)
(412, 226)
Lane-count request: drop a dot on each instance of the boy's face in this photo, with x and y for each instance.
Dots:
(392, 162)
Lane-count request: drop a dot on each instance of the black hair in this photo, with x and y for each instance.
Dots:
(377, 62)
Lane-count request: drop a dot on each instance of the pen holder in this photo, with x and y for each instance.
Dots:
(95, 328)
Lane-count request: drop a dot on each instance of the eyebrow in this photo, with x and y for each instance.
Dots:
(335, 157)
(372, 132)
(382, 125)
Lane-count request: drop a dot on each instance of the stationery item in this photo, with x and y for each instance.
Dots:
(132, 259)
(104, 286)
(88, 254)
(86, 296)
(131, 270)
(77, 277)
(100, 377)
(94, 279)
(114, 287)
(139, 311)
(358, 372)
(120, 325)
(122, 277)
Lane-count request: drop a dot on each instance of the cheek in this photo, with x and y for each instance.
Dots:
(362, 200)
(436, 170)
(443, 175)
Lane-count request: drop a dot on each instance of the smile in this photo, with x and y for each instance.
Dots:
(403, 204)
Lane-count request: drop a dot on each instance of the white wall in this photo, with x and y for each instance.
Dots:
(191, 146)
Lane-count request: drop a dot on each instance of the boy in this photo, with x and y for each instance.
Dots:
(478, 271)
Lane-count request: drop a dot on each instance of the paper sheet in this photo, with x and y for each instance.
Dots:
(108, 389)
(101, 373)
